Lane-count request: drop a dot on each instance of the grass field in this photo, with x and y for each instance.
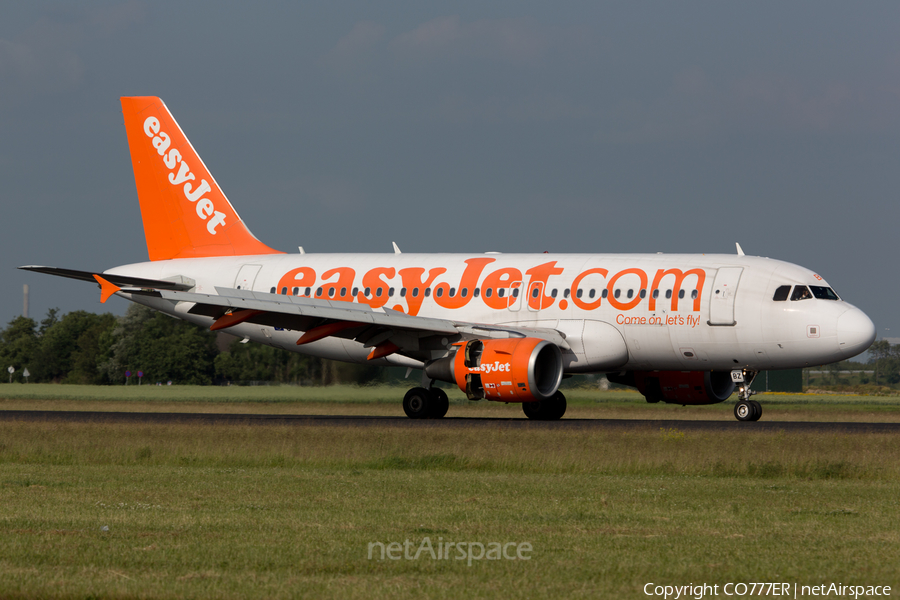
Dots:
(232, 511)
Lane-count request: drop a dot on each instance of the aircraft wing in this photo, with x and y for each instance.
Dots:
(384, 330)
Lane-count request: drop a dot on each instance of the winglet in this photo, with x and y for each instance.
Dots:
(107, 289)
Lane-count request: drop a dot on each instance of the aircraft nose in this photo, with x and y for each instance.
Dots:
(855, 332)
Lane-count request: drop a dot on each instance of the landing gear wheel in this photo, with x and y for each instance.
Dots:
(559, 406)
(551, 409)
(418, 403)
(745, 411)
(532, 410)
(441, 403)
(757, 410)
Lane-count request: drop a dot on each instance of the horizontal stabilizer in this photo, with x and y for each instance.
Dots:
(119, 280)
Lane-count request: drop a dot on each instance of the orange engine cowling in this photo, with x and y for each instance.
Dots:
(684, 387)
(512, 370)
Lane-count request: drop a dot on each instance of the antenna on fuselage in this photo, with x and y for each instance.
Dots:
(740, 250)
(396, 248)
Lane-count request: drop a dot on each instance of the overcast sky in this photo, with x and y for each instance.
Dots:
(464, 127)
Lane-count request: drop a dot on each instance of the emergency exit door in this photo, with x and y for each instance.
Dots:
(246, 277)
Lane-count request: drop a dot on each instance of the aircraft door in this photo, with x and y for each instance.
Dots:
(246, 277)
(721, 298)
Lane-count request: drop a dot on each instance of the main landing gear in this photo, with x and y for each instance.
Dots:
(551, 409)
(746, 409)
(425, 403)
(432, 403)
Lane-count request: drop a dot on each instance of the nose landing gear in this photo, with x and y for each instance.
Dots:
(746, 409)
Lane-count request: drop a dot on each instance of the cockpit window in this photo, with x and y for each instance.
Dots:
(801, 292)
(782, 293)
(823, 293)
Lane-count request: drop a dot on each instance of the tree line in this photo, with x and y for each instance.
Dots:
(886, 359)
(89, 348)
(83, 347)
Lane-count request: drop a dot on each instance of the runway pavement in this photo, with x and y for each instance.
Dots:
(447, 422)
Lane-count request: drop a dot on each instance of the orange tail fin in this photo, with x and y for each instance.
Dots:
(185, 213)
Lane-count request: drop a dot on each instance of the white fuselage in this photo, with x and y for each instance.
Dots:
(618, 312)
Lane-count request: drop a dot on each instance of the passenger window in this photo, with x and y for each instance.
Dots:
(378, 292)
(488, 292)
(694, 294)
(476, 293)
(617, 293)
(272, 291)
(680, 294)
(354, 292)
(534, 292)
(591, 294)
(668, 294)
(367, 292)
(415, 292)
(464, 292)
(295, 291)
(427, 292)
(823, 293)
(801, 292)
(319, 292)
(331, 292)
(605, 293)
(553, 293)
(501, 292)
(566, 293)
(782, 293)
(403, 292)
(307, 292)
(343, 292)
(630, 294)
(643, 293)
(391, 292)
(579, 293)
(515, 292)
(452, 292)
(655, 294)
(439, 292)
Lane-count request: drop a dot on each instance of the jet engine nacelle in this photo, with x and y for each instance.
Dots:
(680, 387)
(512, 370)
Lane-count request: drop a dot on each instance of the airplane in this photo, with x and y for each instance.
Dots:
(681, 328)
